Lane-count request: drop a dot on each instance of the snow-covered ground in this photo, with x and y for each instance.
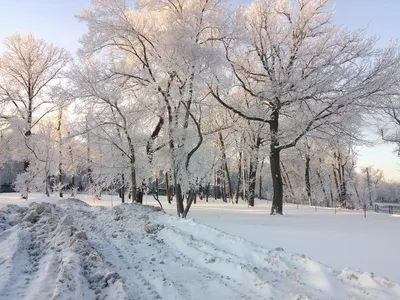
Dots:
(69, 250)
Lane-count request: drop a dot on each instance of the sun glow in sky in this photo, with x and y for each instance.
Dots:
(54, 21)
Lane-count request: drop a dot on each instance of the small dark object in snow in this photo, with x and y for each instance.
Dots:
(279, 249)
(162, 262)
(153, 259)
(211, 260)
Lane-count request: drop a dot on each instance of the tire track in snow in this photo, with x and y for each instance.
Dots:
(128, 250)
(73, 251)
(116, 258)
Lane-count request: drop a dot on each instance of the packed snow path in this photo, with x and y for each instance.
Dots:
(71, 250)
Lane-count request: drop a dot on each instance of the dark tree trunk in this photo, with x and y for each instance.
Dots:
(227, 175)
(133, 181)
(252, 181)
(260, 180)
(275, 165)
(307, 178)
(73, 185)
(122, 189)
(179, 199)
(341, 182)
(239, 178)
(245, 192)
(167, 188)
(335, 179)
(343, 188)
(217, 183)
(330, 190)
(139, 196)
(60, 187)
(191, 197)
(47, 184)
(207, 191)
(156, 189)
(154, 135)
(26, 167)
(277, 201)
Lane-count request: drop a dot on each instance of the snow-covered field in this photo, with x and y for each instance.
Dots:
(69, 250)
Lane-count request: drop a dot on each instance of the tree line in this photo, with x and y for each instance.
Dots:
(269, 97)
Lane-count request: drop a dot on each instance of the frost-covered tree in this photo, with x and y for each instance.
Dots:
(28, 68)
(165, 50)
(306, 73)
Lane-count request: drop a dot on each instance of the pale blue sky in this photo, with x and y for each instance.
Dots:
(54, 21)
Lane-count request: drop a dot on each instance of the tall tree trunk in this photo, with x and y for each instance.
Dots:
(122, 189)
(207, 191)
(27, 134)
(154, 135)
(227, 175)
(73, 185)
(260, 180)
(239, 177)
(47, 187)
(157, 188)
(252, 180)
(335, 180)
(167, 188)
(133, 180)
(179, 199)
(343, 188)
(277, 201)
(215, 185)
(330, 190)
(275, 159)
(307, 178)
(59, 171)
(245, 182)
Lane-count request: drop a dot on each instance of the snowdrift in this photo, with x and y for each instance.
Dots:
(70, 250)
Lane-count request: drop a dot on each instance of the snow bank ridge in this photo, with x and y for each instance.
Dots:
(71, 250)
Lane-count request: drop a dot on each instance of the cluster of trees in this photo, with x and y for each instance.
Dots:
(203, 92)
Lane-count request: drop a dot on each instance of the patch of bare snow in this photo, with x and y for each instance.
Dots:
(70, 250)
